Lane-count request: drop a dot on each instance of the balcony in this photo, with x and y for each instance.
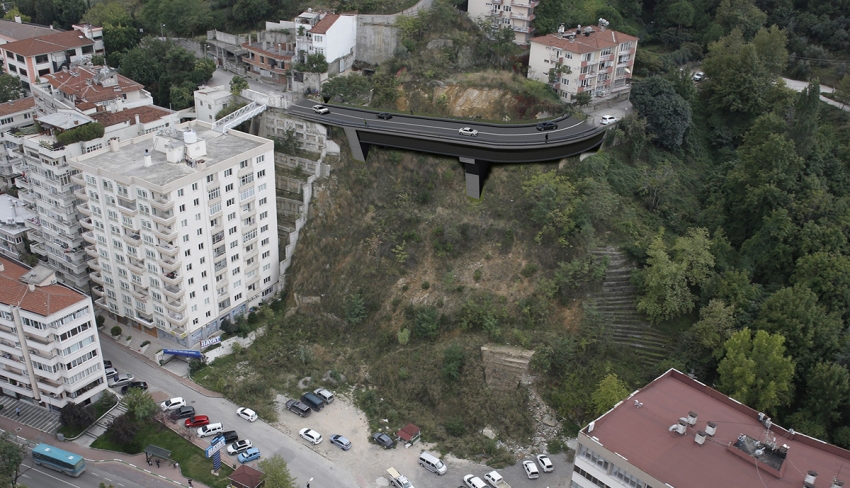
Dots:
(97, 278)
(95, 265)
(78, 179)
(164, 218)
(140, 292)
(177, 319)
(519, 16)
(169, 264)
(167, 249)
(134, 240)
(173, 291)
(92, 251)
(144, 318)
(127, 207)
(84, 209)
(161, 203)
(81, 194)
(136, 265)
(165, 232)
(89, 237)
(33, 223)
(98, 290)
(101, 302)
(38, 248)
(172, 278)
(517, 28)
(177, 306)
(87, 224)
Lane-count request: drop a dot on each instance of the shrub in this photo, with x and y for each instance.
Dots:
(426, 323)
(355, 309)
(145, 343)
(455, 426)
(115, 331)
(404, 336)
(100, 320)
(453, 359)
(529, 269)
(86, 132)
(122, 430)
(426, 285)
(76, 416)
(195, 365)
(477, 275)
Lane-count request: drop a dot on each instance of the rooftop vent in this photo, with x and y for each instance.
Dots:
(679, 427)
(837, 484)
(148, 161)
(811, 476)
(711, 428)
(700, 438)
(692, 417)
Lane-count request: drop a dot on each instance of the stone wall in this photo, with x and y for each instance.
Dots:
(377, 36)
(505, 367)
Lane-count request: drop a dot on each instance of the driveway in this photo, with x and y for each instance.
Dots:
(798, 85)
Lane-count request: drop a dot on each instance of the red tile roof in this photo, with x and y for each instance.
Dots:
(641, 435)
(323, 25)
(84, 89)
(49, 44)
(44, 300)
(147, 113)
(17, 106)
(596, 41)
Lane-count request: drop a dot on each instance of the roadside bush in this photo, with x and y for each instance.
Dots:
(122, 430)
(99, 320)
(115, 331)
(76, 416)
(453, 358)
(195, 366)
(145, 343)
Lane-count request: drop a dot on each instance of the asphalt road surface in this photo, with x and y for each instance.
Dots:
(303, 462)
(447, 129)
(115, 474)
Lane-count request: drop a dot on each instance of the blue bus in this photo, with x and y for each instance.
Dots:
(55, 458)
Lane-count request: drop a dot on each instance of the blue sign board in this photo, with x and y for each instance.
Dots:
(214, 448)
(184, 352)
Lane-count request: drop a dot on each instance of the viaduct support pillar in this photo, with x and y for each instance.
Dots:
(357, 151)
(476, 172)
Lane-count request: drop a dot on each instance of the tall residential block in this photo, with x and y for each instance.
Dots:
(182, 228)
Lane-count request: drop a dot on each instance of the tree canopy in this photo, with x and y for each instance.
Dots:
(667, 114)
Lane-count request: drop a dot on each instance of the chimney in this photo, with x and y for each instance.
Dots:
(692, 417)
(835, 483)
(138, 120)
(265, 44)
(711, 428)
(113, 145)
(31, 287)
(148, 162)
(18, 19)
(679, 427)
(700, 438)
(2, 268)
(811, 476)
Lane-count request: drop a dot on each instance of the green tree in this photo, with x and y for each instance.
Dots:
(681, 13)
(76, 416)
(842, 91)
(249, 13)
(184, 18)
(426, 323)
(12, 455)
(276, 472)
(355, 309)
(804, 123)
(828, 275)
(755, 370)
(583, 98)
(313, 63)
(10, 88)
(770, 46)
(827, 391)
(555, 199)
(740, 14)
(237, 84)
(107, 14)
(667, 114)
(69, 12)
(11, 14)
(739, 81)
(140, 404)
(385, 86)
(715, 326)
(122, 430)
(453, 359)
(346, 88)
(610, 391)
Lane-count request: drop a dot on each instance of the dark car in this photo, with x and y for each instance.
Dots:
(107, 363)
(383, 440)
(183, 412)
(384, 115)
(230, 436)
(547, 126)
(313, 401)
(298, 408)
(135, 384)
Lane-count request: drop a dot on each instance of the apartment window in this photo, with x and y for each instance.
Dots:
(231, 231)
(201, 247)
(215, 208)
(186, 238)
(189, 267)
(213, 194)
(246, 194)
(228, 172)
(234, 244)
(231, 216)
(197, 201)
(234, 258)
(235, 271)
(264, 228)
(229, 187)
(265, 242)
(264, 215)
(243, 164)
(191, 281)
(261, 173)
(261, 188)
(180, 192)
(182, 208)
(187, 252)
(231, 201)
(246, 179)
(194, 187)
(263, 201)
(184, 223)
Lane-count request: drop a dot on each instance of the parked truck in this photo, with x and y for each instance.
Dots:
(398, 480)
(496, 480)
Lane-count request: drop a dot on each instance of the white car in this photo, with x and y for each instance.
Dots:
(699, 76)
(466, 131)
(310, 436)
(172, 404)
(608, 119)
(530, 470)
(545, 463)
(239, 446)
(247, 414)
(472, 481)
(321, 109)
(324, 394)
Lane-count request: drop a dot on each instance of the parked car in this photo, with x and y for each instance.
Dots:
(473, 481)
(314, 401)
(310, 436)
(230, 436)
(324, 394)
(608, 119)
(341, 442)
(172, 404)
(321, 109)
(210, 429)
(383, 440)
(384, 115)
(547, 126)
(496, 480)
(466, 131)
(247, 414)
(110, 372)
(545, 463)
(298, 408)
(530, 470)
(183, 412)
(249, 455)
(107, 363)
(197, 421)
(699, 76)
(120, 380)
(141, 385)
(239, 446)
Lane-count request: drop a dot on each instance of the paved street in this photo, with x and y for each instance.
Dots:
(116, 474)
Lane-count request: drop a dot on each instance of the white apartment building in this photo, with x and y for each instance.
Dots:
(210, 100)
(13, 115)
(31, 58)
(590, 59)
(49, 347)
(516, 14)
(332, 35)
(13, 228)
(182, 228)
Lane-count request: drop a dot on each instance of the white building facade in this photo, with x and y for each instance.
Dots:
(516, 14)
(183, 228)
(49, 347)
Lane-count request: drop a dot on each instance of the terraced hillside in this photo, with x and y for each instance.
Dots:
(616, 301)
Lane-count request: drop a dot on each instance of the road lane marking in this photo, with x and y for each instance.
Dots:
(55, 478)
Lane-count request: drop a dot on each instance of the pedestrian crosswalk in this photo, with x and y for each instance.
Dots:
(30, 415)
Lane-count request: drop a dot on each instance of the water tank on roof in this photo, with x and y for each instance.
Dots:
(190, 136)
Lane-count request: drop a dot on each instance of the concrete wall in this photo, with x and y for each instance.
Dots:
(377, 36)
(196, 47)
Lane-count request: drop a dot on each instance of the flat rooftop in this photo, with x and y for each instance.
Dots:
(742, 452)
(129, 161)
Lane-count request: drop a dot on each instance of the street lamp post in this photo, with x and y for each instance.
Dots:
(162, 30)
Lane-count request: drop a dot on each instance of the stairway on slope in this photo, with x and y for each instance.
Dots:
(616, 301)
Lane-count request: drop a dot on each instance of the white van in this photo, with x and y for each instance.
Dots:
(210, 429)
(432, 463)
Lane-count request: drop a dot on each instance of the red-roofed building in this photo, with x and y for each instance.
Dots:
(89, 89)
(31, 58)
(49, 347)
(592, 59)
(680, 433)
(331, 35)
